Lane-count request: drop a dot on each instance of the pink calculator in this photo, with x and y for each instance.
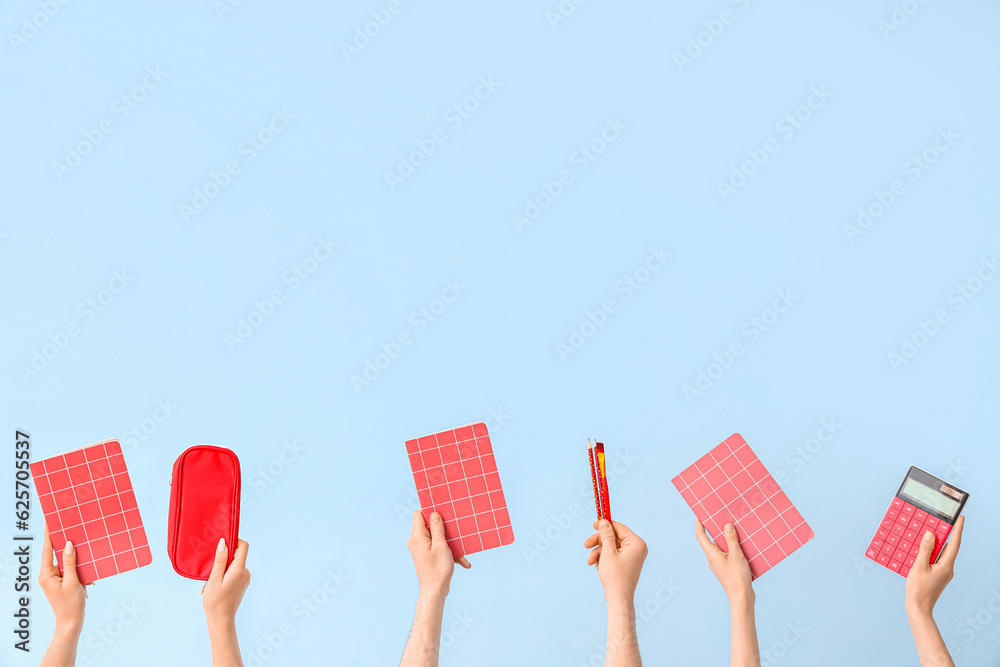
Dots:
(923, 502)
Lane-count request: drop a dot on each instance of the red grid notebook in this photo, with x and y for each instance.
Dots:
(731, 485)
(456, 476)
(86, 496)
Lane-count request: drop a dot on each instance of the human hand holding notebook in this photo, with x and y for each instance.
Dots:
(87, 498)
(456, 475)
(731, 485)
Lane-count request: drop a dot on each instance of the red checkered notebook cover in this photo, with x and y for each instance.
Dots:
(87, 498)
(456, 475)
(731, 485)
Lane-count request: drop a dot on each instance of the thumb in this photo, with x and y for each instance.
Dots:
(69, 564)
(437, 530)
(926, 548)
(608, 540)
(219, 565)
(733, 540)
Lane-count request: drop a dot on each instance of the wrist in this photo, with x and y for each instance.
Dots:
(742, 599)
(918, 610)
(221, 625)
(432, 595)
(69, 629)
(620, 600)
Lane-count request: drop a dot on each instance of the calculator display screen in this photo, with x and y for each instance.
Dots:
(928, 496)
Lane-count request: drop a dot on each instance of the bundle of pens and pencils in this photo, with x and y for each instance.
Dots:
(599, 476)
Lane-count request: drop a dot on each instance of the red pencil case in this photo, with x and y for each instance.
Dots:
(204, 507)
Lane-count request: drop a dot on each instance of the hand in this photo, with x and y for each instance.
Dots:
(222, 593)
(432, 557)
(927, 581)
(731, 569)
(619, 554)
(65, 593)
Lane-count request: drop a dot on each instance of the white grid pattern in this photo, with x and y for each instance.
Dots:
(93, 454)
(461, 537)
(771, 540)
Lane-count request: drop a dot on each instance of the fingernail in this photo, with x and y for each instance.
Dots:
(222, 545)
(928, 535)
(729, 528)
(68, 550)
(435, 517)
(603, 523)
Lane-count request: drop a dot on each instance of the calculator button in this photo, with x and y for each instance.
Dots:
(910, 560)
(894, 565)
(915, 525)
(888, 548)
(893, 539)
(872, 553)
(883, 559)
(892, 514)
(882, 533)
(920, 516)
(905, 570)
(898, 529)
(909, 509)
(910, 536)
(877, 543)
(932, 522)
(900, 555)
(905, 546)
(888, 524)
(897, 504)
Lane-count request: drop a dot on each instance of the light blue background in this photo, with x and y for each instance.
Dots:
(342, 504)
